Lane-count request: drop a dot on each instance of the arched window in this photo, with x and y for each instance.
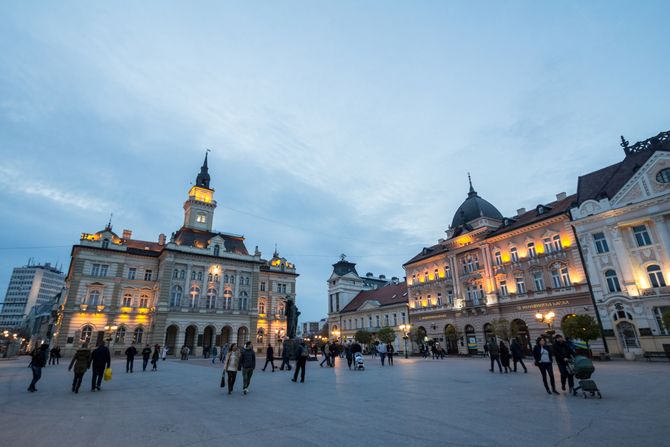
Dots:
(531, 250)
(175, 298)
(211, 298)
(655, 276)
(243, 300)
(514, 254)
(259, 336)
(216, 278)
(227, 300)
(261, 307)
(225, 278)
(557, 243)
(247, 281)
(199, 276)
(175, 274)
(210, 277)
(555, 278)
(93, 298)
(86, 333)
(144, 300)
(138, 334)
(127, 300)
(105, 243)
(612, 281)
(120, 335)
(195, 293)
(182, 274)
(217, 249)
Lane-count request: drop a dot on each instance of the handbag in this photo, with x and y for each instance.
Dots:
(223, 379)
(108, 374)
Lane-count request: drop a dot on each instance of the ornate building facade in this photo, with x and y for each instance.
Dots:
(201, 288)
(621, 219)
(493, 270)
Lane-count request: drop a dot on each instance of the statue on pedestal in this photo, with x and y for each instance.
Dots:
(292, 314)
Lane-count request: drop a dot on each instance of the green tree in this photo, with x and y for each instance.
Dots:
(363, 337)
(501, 329)
(583, 327)
(386, 335)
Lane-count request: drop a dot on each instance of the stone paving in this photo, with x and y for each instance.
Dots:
(418, 402)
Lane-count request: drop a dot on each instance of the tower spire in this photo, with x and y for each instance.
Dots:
(472, 191)
(202, 179)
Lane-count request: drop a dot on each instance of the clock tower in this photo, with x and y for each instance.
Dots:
(200, 205)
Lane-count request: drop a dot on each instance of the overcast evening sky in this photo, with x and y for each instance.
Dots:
(340, 127)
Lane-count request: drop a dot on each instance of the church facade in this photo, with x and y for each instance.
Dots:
(200, 288)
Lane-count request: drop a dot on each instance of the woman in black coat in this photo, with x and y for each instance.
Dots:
(504, 356)
(544, 361)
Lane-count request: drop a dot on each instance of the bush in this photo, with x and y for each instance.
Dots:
(583, 327)
(363, 337)
(386, 335)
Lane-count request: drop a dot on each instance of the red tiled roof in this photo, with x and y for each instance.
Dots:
(386, 296)
(143, 245)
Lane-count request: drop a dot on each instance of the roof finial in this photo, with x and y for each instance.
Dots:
(109, 224)
(276, 253)
(472, 190)
(343, 257)
(207, 151)
(624, 144)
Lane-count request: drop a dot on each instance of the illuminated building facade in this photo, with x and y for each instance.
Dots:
(621, 219)
(199, 288)
(494, 274)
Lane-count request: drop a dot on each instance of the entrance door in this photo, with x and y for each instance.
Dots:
(628, 336)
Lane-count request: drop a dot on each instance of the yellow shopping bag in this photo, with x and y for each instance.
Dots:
(108, 374)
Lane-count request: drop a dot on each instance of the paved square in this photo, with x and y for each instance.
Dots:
(454, 402)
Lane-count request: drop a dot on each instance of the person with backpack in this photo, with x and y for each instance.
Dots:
(301, 362)
(37, 362)
(247, 365)
(131, 352)
(146, 355)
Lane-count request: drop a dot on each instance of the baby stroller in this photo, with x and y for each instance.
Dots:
(583, 368)
(359, 364)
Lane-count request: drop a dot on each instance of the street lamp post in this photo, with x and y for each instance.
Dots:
(405, 328)
(548, 319)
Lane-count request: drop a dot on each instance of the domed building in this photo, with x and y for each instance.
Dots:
(474, 213)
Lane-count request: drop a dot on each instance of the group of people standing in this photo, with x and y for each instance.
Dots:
(147, 354)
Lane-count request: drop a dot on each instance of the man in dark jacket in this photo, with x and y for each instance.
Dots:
(100, 359)
(301, 362)
(269, 358)
(517, 354)
(494, 352)
(247, 365)
(563, 354)
(285, 359)
(146, 355)
(38, 361)
(131, 352)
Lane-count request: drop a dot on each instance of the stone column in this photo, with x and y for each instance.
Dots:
(179, 340)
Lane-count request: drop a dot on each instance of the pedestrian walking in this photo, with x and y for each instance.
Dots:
(164, 352)
(325, 350)
(100, 359)
(247, 365)
(131, 352)
(285, 359)
(269, 357)
(563, 355)
(333, 354)
(230, 364)
(224, 352)
(544, 361)
(381, 349)
(214, 354)
(146, 355)
(301, 362)
(54, 355)
(494, 353)
(517, 354)
(154, 357)
(205, 352)
(349, 355)
(504, 356)
(81, 362)
(390, 350)
(37, 362)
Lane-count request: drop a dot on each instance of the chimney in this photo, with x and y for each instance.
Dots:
(369, 275)
(394, 280)
(127, 234)
(561, 196)
(382, 276)
(520, 211)
(161, 239)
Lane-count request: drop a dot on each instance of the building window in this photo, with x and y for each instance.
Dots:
(195, 293)
(558, 246)
(556, 278)
(612, 281)
(663, 176)
(377, 320)
(95, 270)
(370, 321)
(120, 335)
(144, 301)
(450, 297)
(93, 298)
(210, 277)
(103, 270)
(565, 276)
(244, 300)
(447, 271)
(261, 307)
(514, 254)
(182, 274)
(217, 249)
(538, 280)
(531, 250)
(147, 275)
(127, 300)
(192, 275)
(227, 300)
(601, 243)
(503, 288)
(138, 334)
(211, 299)
(641, 235)
(656, 276)
(201, 218)
(386, 320)
(105, 243)
(263, 286)
(175, 299)
(199, 276)
(402, 315)
(498, 258)
(86, 333)
(547, 245)
(216, 278)
(439, 299)
(658, 313)
(395, 319)
(175, 274)
(520, 285)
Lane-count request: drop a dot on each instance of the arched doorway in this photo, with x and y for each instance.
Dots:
(208, 339)
(171, 338)
(242, 335)
(488, 332)
(628, 336)
(519, 330)
(471, 339)
(226, 332)
(191, 336)
(451, 338)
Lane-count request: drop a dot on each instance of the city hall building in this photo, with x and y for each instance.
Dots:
(199, 288)
(492, 270)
